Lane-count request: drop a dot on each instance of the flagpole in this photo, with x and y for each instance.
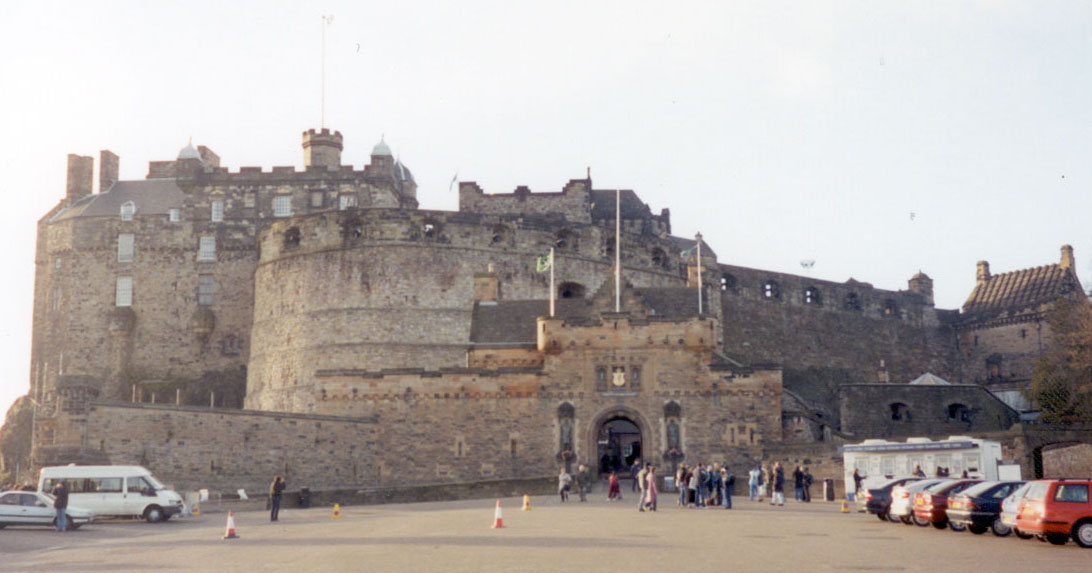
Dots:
(552, 290)
(618, 250)
(698, 237)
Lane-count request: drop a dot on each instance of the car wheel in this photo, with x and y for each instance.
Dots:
(73, 526)
(1000, 529)
(977, 529)
(905, 519)
(919, 521)
(882, 516)
(957, 526)
(1082, 534)
(892, 518)
(940, 524)
(153, 514)
(1057, 538)
(1021, 534)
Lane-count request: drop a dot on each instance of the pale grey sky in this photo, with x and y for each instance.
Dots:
(783, 131)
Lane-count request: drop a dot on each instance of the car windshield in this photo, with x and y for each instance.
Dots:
(920, 485)
(890, 484)
(155, 483)
(980, 488)
(1019, 493)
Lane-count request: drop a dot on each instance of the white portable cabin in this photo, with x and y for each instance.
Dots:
(878, 460)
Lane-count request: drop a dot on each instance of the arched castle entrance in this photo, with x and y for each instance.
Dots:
(619, 437)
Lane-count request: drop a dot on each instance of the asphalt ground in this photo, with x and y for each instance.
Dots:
(593, 536)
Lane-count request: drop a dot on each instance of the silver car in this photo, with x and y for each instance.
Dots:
(33, 508)
(1010, 506)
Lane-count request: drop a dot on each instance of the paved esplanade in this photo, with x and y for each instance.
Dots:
(596, 536)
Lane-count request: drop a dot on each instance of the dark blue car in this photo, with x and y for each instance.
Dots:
(979, 507)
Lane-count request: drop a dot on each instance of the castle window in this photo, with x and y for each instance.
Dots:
(1023, 333)
(123, 292)
(635, 378)
(890, 308)
(217, 211)
(128, 209)
(125, 248)
(316, 199)
(500, 235)
(608, 247)
(206, 251)
(249, 200)
(174, 215)
(282, 206)
(811, 296)
(659, 259)
(852, 301)
(570, 290)
(565, 240)
(727, 282)
(346, 201)
(771, 290)
(958, 413)
(601, 379)
(206, 289)
(899, 412)
(292, 238)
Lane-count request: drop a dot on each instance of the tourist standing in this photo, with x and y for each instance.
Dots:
(641, 484)
(798, 484)
(564, 482)
(633, 471)
(680, 483)
(752, 482)
(857, 479)
(614, 489)
(651, 491)
(276, 489)
(583, 481)
(807, 486)
(60, 503)
(779, 485)
(692, 487)
(729, 480)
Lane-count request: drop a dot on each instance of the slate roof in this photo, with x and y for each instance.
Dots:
(603, 205)
(513, 322)
(151, 197)
(1018, 290)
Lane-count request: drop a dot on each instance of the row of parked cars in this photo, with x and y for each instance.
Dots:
(1054, 510)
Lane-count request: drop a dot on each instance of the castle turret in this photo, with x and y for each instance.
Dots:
(921, 284)
(80, 176)
(322, 148)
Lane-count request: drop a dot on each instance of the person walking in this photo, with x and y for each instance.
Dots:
(857, 479)
(60, 503)
(680, 482)
(641, 484)
(703, 483)
(779, 485)
(729, 480)
(798, 484)
(633, 471)
(564, 482)
(276, 489)
(614, 488)
(692, 487)
(583, 481)
(752, 482)
(651, 490)
(807, 486)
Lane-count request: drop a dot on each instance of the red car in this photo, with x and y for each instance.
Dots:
(931, 505)
(1056, 510)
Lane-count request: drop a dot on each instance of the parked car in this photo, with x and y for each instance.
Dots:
(902, 499)
(1009, 508)
(877, 500)
(33, 508)
(931, 504)
(1056, 510)
(978, 508)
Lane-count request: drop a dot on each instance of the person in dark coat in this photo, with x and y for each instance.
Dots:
(798, 484)
(276, 490)
(60, 503)
(778, 485)
(807, 486)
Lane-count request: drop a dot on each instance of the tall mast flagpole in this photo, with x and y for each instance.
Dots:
(326, 20)
(552, 289)
(618, 250)
(698, 237)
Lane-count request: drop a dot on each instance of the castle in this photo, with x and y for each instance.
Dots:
(221, 326)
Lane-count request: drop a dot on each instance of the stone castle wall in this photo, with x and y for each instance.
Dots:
(867, 409)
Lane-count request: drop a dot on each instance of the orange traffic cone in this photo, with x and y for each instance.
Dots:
(526, 502)
(498, 522)
(230, 533)
(196, 510)
(845, 506)
(337, 511)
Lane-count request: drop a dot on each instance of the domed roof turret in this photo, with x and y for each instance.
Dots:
(189, 152)
(382, 149)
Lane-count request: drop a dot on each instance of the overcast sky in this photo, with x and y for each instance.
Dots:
(875, 138)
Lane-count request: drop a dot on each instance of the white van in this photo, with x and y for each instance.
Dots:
(114, 490)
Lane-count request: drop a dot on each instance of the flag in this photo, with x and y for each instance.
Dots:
(544, 263)
(689, 253)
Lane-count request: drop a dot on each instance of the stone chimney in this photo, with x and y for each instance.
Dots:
(108, 169)
(322, 148)
(486, 286)
(983, 273)
(1067, 257)
(80, 177)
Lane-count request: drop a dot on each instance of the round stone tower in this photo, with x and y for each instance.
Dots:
(322, 148)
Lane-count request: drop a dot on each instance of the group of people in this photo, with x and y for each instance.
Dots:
(704, 485)
(771, 480)
(565, 482)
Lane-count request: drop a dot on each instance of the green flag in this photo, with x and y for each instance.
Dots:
(544, 263)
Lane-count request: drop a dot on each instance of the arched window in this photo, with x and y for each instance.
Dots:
(958, 413)
(565, 240)
(430, 229)
(890, 308)
(128, 209)
(812, 296)
(727, 282)
(659, 258)
(499, 236)
(899, 412)
(853, 301)
(771, 290)
(292, 237)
